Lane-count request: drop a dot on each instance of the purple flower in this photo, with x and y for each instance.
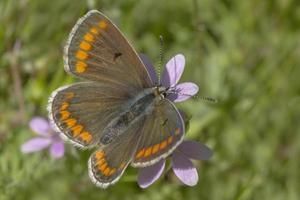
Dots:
(187, 150)
(181, 164)
(47, 137)
(170, 77)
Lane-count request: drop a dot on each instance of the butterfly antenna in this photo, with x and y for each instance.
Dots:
(207, 99)
(161, 56)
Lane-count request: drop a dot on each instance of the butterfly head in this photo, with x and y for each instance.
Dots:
(164, 92)
(160, 91)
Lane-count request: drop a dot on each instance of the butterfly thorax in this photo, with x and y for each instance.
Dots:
(134, 110)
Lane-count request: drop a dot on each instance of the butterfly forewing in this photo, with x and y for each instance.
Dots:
(97, 50)
(163, 131)
(81, 111)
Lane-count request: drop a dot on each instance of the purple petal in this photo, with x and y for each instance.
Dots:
(57, 149)
(149, 175)
(56, 137)
(149, 68)
(183, 91)
(195, 150)
(184, 169)
(173, 70)
(35, 144)
(40, 126)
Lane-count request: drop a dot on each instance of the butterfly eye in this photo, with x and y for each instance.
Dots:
(164, 94)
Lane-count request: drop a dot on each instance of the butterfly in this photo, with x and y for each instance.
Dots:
(120, 110)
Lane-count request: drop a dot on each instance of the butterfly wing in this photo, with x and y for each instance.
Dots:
(81, 111)
(150, 139)
(98, 51)
(162, 132)
(107, 164)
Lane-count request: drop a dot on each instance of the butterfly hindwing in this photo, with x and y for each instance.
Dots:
(163, 131)
(97, 50)
(107, 164)
(81, 111)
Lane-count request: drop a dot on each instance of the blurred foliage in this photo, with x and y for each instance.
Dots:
(244, 53)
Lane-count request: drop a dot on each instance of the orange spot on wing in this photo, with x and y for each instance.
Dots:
(71, 122)
(177, 131)
(155, 148)
(81, 55)
(103, 24)
(107, 171)
(100, 162)
(64, 114)
(170, 139)
(86, 136)
(112, 171)
(148, 152)
(100, 154)
(140, 153)
(77, 130)
(88, 37)
(94, 30)
(163, 145)
(80, 66)
(103, 167)
(85, 46)
(70, 95)
(64, 106)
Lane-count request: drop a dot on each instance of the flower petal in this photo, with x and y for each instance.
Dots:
(40, 125)
(150, 68)
(183, 91)
(173, 70)
(57, 149)
(149, 175)
(184, 169)
(195, 150)
(35, 144)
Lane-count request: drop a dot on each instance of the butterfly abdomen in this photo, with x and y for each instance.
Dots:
(134, 111)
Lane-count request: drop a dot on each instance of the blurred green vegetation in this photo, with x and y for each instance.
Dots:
(244, 53)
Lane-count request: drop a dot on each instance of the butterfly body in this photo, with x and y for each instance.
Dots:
(134, 110)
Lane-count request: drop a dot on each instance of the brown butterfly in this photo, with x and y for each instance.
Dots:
(119, 110)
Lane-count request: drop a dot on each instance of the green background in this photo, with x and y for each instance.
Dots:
(246, 54)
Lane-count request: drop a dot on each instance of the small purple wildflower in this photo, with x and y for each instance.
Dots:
(47, 137)
(170, 77)
(187, 150)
